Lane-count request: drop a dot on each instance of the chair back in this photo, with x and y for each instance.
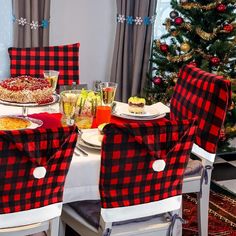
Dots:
(33, 61)
(142, 167)
(34, 164)
(205, 96)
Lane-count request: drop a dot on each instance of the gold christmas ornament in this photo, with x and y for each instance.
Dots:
(185, 47)
(158, 43)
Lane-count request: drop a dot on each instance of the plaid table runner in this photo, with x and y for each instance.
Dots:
(23, 156)
(205, 96)
(129, 151)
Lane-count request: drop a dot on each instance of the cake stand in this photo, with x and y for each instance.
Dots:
(25, 106)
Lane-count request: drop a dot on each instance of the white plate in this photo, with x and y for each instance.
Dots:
(151, 112)
(83, 144)
(91, 138)
(34, 123)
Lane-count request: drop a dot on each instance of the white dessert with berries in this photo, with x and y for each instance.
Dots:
(136, 105)
(26, 89)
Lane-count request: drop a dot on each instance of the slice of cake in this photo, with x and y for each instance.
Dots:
(136, 105)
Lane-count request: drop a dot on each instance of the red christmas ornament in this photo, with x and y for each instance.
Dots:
(193, 63)
(215, 61)
(157, 80)
(164, 47)
(228, 27)
(221, 8)
(178, 20)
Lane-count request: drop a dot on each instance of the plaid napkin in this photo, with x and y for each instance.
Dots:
(134, 155)
(34, 164)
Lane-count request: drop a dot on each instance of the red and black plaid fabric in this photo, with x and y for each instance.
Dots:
(128, 153)
(20, 153)
(205, 96)
(33, 61)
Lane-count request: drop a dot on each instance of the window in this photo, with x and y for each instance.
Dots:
(163, 10)
(6, 27)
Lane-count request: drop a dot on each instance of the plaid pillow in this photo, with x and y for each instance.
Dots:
(129, 152)
(22, 152)
(205, 96)
(33, 61)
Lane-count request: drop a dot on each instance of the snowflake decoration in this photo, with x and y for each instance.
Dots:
(129, 20)
(22, 21)
(34, 25)
(138, 20)
(152, 20)
(146, 20)
(121, 18)
(45, 24)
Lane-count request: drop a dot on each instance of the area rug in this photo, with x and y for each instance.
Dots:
(222, 214)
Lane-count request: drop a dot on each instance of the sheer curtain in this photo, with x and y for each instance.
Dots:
(5, 36)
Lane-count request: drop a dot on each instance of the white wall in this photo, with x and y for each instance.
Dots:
(93, 24)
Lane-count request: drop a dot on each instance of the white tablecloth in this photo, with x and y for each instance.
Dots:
(83, 176)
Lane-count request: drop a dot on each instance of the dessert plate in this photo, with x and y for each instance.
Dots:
(91, 139)
(18, 123)
(150, 113)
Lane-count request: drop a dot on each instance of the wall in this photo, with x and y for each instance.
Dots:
(92, 23)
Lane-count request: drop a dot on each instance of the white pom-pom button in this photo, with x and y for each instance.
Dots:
(158, 165)
(39, 172)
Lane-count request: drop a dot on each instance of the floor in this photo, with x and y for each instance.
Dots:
(224, 172)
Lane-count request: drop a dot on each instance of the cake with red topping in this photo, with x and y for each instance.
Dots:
(26, 89)
(136, 105)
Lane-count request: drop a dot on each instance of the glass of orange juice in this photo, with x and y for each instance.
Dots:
(103, 114)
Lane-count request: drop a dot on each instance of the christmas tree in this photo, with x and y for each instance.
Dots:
(202, 33)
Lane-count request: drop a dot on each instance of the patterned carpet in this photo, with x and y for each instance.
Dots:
(222, 214)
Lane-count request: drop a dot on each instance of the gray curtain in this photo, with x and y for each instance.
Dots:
(132, 48)
(31, 10)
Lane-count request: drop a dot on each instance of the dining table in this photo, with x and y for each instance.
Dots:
(82, 181)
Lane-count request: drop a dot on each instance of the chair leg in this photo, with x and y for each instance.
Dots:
(54, 227)
(203, 207)
(62, 228)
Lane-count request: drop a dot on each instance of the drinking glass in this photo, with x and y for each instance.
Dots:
(68, 103)
(52, 77)
(108, 91)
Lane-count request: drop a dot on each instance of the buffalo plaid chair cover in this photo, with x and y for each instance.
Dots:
(205, 96)
(33, 61)
(129, 175)
(24, 153)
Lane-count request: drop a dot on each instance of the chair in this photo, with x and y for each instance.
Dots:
(142, 166)
(33, 61)
(205, 96)
(34, 164)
